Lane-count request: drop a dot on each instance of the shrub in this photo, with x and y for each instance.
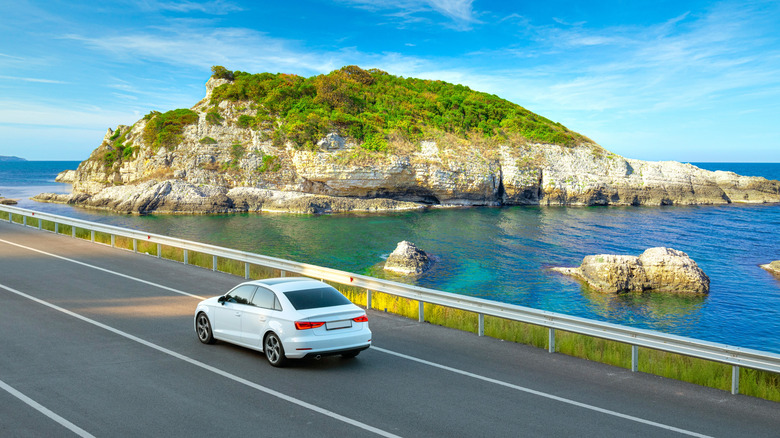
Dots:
(207, 140)
(375, 143)
(128, 152)
(219, 72)
(214, 118)
(245, 121)
(237, 152)
(165, 129)
(271, 163)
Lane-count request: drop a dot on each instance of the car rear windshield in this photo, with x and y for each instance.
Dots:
(314, 298)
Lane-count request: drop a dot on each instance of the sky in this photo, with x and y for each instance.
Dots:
(689, 81)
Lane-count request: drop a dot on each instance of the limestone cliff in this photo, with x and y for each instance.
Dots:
(237, 155)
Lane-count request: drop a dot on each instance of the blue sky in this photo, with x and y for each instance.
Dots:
(655, 80)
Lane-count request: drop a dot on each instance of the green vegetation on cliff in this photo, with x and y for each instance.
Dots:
(164, 129)
(372, 105)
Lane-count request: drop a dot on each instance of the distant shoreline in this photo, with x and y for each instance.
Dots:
(11, 159)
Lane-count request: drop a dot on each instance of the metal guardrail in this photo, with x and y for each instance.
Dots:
(734, 356)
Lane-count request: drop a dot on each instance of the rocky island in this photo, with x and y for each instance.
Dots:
(657, 269)
(773, 267)
(365, 140)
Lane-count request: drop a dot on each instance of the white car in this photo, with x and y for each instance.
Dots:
(286, 318)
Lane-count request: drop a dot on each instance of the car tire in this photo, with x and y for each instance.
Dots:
(203, 329)
(274, 350)
(350, 354)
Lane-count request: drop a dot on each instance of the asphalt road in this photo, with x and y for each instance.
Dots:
(96, 341)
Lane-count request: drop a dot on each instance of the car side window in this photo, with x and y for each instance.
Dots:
(241, 295)
(266, 299)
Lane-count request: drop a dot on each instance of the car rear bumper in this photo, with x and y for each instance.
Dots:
(310, 346)
(317, 355)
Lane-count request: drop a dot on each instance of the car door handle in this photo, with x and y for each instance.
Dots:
(238, 314)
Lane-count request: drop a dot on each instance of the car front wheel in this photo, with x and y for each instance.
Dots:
(203, 328)
(274, 351)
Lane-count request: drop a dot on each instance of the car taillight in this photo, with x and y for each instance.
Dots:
(363, 318)
(305, 325)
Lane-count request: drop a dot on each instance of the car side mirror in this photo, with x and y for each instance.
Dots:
(222, 300)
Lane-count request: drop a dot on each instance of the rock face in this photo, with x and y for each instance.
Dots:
(66, 176)
(657, 269)
(773, 267)
(408, 259)
(176, 196)
(215, 155)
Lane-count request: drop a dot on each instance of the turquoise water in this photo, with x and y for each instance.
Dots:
(503, 253)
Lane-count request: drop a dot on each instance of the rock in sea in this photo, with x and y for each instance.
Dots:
(773, 267)
(408, 259)
(657, 269)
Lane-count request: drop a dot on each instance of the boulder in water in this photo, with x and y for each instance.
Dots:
(657, 269)
(773, 267)
(408, 259)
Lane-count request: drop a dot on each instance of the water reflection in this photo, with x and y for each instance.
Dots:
(657, 310)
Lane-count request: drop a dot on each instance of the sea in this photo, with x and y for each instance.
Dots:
(503, 253)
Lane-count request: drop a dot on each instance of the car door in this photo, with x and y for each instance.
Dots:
(227, 317)
(256, 317)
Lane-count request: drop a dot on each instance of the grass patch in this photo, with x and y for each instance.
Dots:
(149, 248)
(172, 253)
(123, 243)
(103, 238)
(199, 259)
(229, 266)
(47, 225)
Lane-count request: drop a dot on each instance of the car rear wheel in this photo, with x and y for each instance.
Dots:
(203, 328)
(274, 351)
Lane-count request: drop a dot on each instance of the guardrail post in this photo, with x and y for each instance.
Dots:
(113, 240)
(159, 251)
(92, 236)
(368, 298)
(56, 228)
(481, 329)
(551, 340)
(10, 217)
(40, 224)
(214, 263)
(73, 231)
(634, 358)
(421, 312)
(246, 270)
(24, 220)
(135, 245)
(282, 273)
(735, 379)
(185, 256)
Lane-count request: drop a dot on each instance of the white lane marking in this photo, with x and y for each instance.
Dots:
(214, 370)
(542, 394)
(105, 270)
(42, 409)
(433, 364)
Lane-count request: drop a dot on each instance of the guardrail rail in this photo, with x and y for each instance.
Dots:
(734, 356)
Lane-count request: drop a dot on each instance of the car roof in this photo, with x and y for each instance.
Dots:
(285, 284)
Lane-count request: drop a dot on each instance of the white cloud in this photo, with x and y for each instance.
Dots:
(236, 48)
(460, 12)
(217, 7)
(24, 79)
